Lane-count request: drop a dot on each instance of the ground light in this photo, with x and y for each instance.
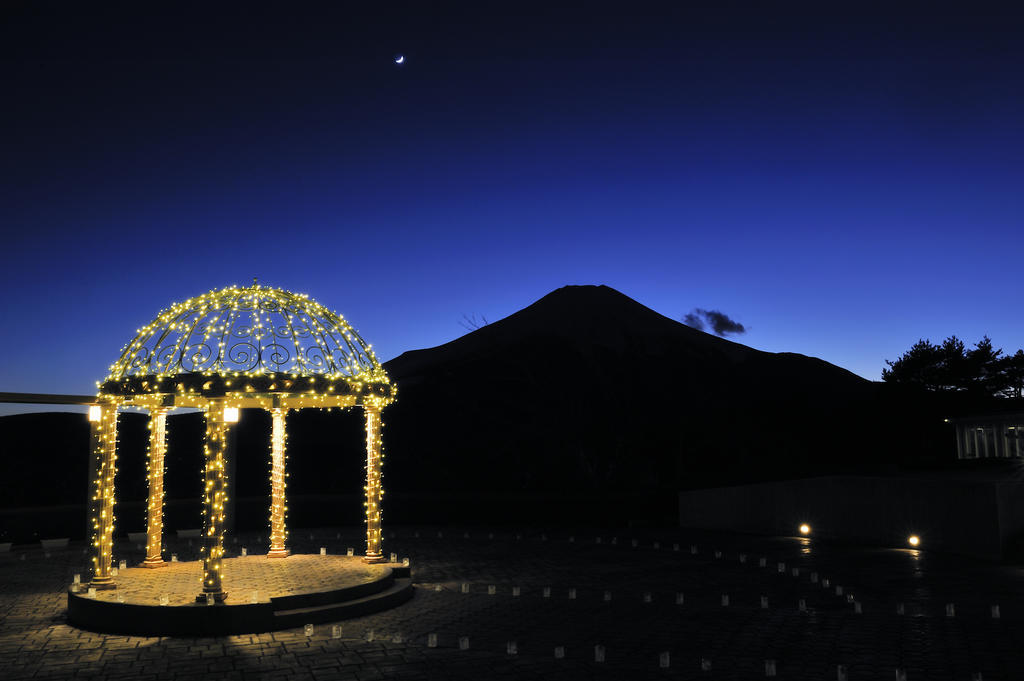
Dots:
(914, 540)
(805, 529)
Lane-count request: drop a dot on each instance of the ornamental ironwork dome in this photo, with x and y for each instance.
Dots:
(247, 343)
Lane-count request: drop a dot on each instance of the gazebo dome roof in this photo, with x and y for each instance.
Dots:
(247, 340)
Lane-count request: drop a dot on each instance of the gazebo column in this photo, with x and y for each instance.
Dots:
(103, 420)
(214, 499)
(373, 488)
(155, 508)
(278, 533)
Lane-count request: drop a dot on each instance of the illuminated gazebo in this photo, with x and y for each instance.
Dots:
(239, 347)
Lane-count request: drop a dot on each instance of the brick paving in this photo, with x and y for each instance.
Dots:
(637, 593)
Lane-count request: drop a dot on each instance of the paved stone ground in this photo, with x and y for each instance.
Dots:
(625, 599)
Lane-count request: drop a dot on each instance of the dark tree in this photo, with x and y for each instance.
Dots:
(953, 372)
(921, 365)
(1013, 375)
(952, 367)
(983, 369)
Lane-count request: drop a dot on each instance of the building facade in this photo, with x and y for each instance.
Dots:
(992, 436)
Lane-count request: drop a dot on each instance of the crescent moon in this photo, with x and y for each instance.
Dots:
(400, 59)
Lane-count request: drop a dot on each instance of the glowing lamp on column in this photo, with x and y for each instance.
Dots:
(94, 413)
(230, 414)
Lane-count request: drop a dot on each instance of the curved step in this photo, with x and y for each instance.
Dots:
(348, 593)
(399, 592)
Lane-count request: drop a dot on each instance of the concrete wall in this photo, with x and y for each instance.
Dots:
(983, 518)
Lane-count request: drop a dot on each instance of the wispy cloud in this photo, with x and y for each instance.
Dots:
(719, 322)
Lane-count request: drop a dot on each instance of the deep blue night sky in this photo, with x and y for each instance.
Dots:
(841, 181)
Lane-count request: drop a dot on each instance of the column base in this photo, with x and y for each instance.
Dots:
(218, 597)
(103, 583)
(378, 558)
(154, 563)
(278, 553)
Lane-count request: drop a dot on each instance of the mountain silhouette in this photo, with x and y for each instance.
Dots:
(587, 389)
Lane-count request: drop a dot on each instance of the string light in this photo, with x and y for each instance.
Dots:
(215, 499)
(278, 534)
(105, 466)
(374, 491)
(155, 477)
(233, 348)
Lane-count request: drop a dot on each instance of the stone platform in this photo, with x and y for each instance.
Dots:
(263, 594)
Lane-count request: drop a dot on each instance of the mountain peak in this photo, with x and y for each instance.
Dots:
(582, 293)
(580, 316)
(584, 290)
